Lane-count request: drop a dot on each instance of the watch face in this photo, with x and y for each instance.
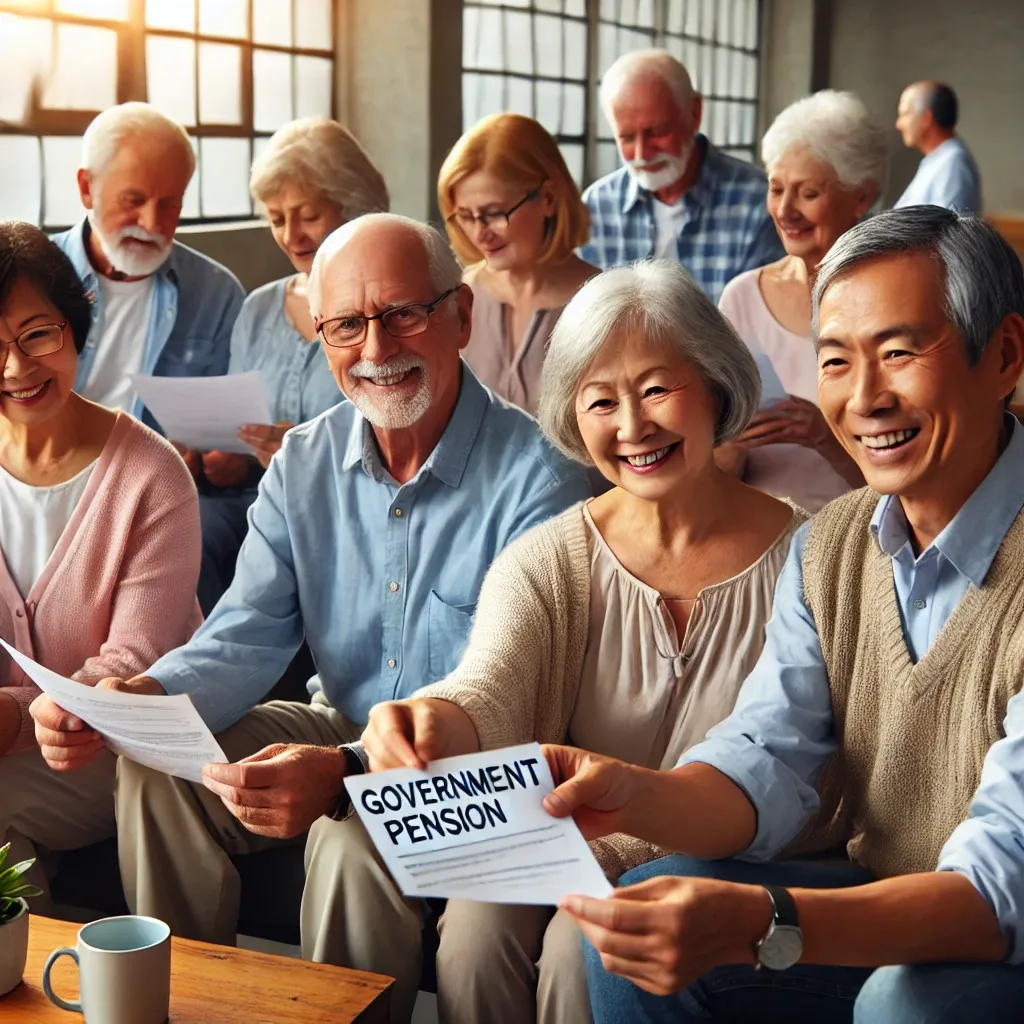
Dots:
(781, 948)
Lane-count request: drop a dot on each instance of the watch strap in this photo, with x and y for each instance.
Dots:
(355, 764)
(783, 906)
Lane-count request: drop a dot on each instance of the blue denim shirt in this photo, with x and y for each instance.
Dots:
(195, 302)
(726, 228)
(295, 372)
(780, 734)
(381, 578)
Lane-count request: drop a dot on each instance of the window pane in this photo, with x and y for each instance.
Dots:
(575, 50)
(483, 43)
(547, 34)
(171, 77)
(190, 201)
(220, 83)
(577, 8)
(259, 144)
(112, 9)
(25, 55)
(224, 18)
(574, 110)
(487, 97)
(645, 13)
(573, 156)
(549, 106)
(314, 86)
(84, 69)
(272, 90)
(675, 19)
(224, 177)
(20, 178)
(313, 24)
(519, 96)
(61, 157)
(518, 48)
(176, 14)
(607, 158)
(272, 22)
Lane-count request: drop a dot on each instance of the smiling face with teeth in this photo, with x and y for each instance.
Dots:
(897, 389)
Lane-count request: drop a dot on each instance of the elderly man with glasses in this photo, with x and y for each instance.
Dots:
(371, 534)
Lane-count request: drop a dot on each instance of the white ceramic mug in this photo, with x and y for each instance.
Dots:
(124, 968)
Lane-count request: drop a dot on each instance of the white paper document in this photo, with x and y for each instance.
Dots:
(165, 733)
(473, 828)
(205, 412)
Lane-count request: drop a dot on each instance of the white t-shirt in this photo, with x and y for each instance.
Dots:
(667, 224)
(126, 308)
(32, 520)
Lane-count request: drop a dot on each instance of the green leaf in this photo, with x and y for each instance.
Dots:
(23, 890)
(11, 875)
(3, 853)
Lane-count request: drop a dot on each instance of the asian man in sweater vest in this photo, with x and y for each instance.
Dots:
(884, 717)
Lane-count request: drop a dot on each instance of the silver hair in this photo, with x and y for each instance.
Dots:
(646, 64)
(660, 300)
(108, 131)
(445, 272)
(837, 128)
(323, 157)
(981, 275)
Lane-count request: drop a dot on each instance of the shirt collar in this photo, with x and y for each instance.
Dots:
(76, 252)
(698, 194)
(448, 460)
(972, 538)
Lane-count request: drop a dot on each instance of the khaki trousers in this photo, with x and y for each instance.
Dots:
(42, 810)
(502, 964)
(176, 839)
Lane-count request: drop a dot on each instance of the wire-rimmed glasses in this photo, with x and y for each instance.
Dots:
(493, 220)
(41, 340)
(399, 322)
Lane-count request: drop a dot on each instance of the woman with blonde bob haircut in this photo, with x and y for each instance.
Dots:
(515, 218)
(630, 620)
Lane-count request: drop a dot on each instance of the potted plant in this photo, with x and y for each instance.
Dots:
(13, 920)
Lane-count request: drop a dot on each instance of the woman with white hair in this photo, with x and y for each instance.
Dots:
(626, 623)
(826, 163)
(312, 177)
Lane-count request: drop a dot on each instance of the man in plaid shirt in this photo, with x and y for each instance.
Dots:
(677, 197)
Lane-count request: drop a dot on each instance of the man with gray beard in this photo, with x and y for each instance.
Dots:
(158, 306)
(370, 537)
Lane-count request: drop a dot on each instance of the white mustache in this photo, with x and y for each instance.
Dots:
(401, 364)
(142, 235)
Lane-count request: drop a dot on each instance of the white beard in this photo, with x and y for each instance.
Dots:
(391, 412)
(655, 181)
(128, 259)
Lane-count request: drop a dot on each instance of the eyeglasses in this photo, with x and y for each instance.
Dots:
(42, 340)
(496, 220)
(399, 322)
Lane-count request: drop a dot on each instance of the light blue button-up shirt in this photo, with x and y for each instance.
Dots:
(195, 302)
(381, 578)
(780, 734)
(947, 176)
(295, 372)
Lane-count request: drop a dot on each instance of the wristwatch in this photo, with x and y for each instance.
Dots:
(783, 943)
(354, 765)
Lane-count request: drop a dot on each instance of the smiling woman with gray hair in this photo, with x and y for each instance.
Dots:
(625, 623)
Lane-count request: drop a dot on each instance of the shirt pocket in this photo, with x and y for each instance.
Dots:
(448, 628)
(192, 356)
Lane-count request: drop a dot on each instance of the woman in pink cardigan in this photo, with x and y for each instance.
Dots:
(99, 533)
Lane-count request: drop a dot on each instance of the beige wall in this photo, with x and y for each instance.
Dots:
(246, 249)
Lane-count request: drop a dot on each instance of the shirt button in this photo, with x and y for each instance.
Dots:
(393, 586)
(392, 663)
(399, 513)
(20, 614)
(919, 604)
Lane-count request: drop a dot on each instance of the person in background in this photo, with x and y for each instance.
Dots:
(826, 163)
(514, 217)
(947, 175)
(370, 537)
(885, 714)
(311, 178)
(626, 623)
(158, 306)
(99, 544)
(677, 197)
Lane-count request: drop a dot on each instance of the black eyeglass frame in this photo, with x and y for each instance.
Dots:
(486, 218)
(5, 346)
(427, 308)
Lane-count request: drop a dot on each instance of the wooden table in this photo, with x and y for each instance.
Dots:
(212, 985)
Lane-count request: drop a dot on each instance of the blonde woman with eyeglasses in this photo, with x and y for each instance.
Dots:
(515, 218)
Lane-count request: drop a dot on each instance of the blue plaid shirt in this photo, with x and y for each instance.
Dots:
(725, 230)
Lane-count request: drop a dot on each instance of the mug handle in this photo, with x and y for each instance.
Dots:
(64, 1004)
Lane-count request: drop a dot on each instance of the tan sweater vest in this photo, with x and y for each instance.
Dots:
(912, 737)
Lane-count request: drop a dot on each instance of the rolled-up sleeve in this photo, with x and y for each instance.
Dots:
(988, 848)
(778, 737)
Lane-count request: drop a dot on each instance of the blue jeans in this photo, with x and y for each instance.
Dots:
(224, 525)
(807, 994)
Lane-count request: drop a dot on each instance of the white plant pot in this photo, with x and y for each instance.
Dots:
(13, 950)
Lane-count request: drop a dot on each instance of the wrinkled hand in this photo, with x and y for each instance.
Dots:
(665, 933)
(281, 790)
(193, 460)
(225, 469)
(794, 421)
(595, 790)
(65, 740)
(409, 733)
(264, 439)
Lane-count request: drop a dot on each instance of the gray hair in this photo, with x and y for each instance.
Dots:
(108, 131)
(324, 157)
(658, 299)
(445, 272)
(837, 128)
(981, 275)
(646, 64)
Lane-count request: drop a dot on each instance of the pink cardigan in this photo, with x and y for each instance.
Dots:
(119, 589)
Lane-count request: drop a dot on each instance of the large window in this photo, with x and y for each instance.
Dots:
(511, 51)
(230, 71)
